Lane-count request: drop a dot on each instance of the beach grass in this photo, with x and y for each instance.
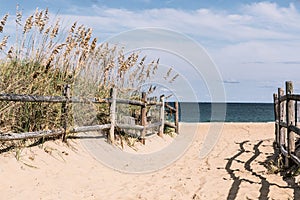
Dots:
(42, 57)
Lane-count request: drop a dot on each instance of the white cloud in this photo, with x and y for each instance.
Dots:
(250, 44)
(258, 41)
(254, 21)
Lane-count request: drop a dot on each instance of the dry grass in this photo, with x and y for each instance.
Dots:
(42, 58)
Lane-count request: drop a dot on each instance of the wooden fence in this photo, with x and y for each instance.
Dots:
(286, 129)
(66, 99)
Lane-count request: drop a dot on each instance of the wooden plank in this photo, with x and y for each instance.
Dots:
(90, 128)
(283, 151)
(282, 124)
(62, 99)
(113, 94)
(65, 112)
(162, 116)
(153, 125)
(295, 159)
(282, 98)
(296, 113)
(30, 135)
(32, 98)
(144, 116)
(131, 102)
(94, 100)
(138, 127)
(170, 124)
(290, 116)
(170, 107)
(295, 129)
(177, 117)
(130, 126)
(276, 115)
(295, 97)
(153, 103)
(49, 99)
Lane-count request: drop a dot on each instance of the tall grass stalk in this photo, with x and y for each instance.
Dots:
(43, 58)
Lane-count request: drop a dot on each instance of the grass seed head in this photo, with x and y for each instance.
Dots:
(28, 24)
(3, 22)
(3, 42)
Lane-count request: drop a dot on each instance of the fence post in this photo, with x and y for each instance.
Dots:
(144, 116)
(162, 116)
(296, 113)
(290, 116)
(282, 131)
(113, 96)
(64, 110)
(281, 111)
(276, 114)
(177, 117)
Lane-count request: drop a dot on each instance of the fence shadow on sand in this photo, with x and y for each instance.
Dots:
(250, 155)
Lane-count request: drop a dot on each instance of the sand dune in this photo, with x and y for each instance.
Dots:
(234, 169)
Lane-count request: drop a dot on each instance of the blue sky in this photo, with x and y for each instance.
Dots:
(254, 44)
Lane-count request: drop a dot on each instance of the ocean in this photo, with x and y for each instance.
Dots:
(235, 112)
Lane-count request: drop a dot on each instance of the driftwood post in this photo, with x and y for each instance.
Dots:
(296, 113)
(113, 96)
(144, 116)
(162, 116)
(282, 132)
(177, 117)
(276, 114)
(64, 110)
(281, 111)
(290, 116)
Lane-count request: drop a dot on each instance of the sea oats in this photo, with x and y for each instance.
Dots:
(168, 73)
(37, 17)
(88, 35)
(46, 59)
(3, 22)
(148, 71)
(56, 50)
(3, 42)
(93, 45)
(49, 46)
(55, 29)
(46, 15)
(47, 31)
(174, 78)
(156, 65)
(143, 60)
(18, 16)
(72, 30)
(39, 21)
(10, 52)
(28, 24)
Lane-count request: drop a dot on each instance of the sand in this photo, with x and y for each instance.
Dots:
(234, 169)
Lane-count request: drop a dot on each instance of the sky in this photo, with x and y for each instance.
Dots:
(254, 45)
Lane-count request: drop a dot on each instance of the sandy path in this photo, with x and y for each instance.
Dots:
(233, 170)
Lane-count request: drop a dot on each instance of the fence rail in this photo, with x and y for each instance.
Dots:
(286, 118)
(67, 99)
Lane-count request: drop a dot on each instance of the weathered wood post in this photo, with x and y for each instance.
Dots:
(290, 117)
(162, 116)
(64, 111)
(144, 116)
(177, 117)
(281, 111)
(276, 114)
(296, 113)
(113, 96)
